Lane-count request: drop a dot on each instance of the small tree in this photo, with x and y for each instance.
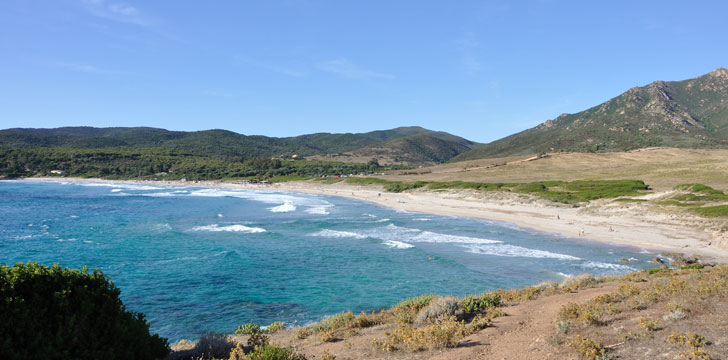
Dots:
(373, 163)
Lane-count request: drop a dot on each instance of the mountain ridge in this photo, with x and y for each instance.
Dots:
(228, 144)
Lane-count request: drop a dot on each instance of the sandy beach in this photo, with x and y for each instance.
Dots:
(626, 223)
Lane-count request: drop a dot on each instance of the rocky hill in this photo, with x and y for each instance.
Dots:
(688, 113)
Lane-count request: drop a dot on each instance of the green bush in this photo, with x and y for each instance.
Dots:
(248, 329)
(473, 304)
(273, 352)
(275, 326)
(692, 267)
(57, 313)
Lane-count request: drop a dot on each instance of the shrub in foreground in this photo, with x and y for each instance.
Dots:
(273, 352)
(57, 313)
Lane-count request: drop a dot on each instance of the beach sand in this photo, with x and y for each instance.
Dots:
(604, 221)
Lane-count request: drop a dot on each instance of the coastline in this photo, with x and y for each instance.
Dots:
(629, 223)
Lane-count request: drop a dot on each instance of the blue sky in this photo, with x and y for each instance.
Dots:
(478, 69)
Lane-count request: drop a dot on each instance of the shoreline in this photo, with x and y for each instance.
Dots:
(629, 226)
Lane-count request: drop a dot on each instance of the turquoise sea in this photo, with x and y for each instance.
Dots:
(196, 260)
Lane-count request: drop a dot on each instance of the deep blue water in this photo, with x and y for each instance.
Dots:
(196, 260)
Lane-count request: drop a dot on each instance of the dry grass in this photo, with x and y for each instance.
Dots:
(660, 168)
(672, 313)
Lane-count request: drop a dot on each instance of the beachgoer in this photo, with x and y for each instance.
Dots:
(558, 217)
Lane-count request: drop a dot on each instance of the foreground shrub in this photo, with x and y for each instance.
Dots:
(248, 329)
(57, 313)
(275, 326)
(473, 304)
(273, 352)
(577, 282)
(406, 311)
(439, 309)
(335, 322)
(437, 336)
(210, 346)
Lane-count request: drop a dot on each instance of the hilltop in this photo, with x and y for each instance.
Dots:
(686, 114)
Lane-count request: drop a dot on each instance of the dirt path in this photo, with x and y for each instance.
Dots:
(526, 333)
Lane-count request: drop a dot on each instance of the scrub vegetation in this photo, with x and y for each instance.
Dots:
(557, 191)
(698, 198)
(60, 313)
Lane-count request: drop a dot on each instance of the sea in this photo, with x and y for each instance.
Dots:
(198, 260)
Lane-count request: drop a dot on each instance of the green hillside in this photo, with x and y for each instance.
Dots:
(688, 113)
(416, 149)
(226, 144)
(122, 153)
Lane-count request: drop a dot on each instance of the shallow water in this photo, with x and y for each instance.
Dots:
(196, 260)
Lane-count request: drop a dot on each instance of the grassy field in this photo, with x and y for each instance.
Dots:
(661, 168)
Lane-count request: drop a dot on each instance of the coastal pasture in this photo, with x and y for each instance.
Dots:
(661, 168)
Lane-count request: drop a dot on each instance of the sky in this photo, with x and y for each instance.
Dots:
(478, 69)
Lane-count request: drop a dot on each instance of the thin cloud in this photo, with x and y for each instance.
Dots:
(347, 69)
(116, 11)
(467, 47)
(88, 69)
(270, 67)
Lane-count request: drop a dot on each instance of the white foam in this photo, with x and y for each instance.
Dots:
(319, 210)
(338, 234)
(284, 202)
(116, 190)
(117, 185)
(422, 219)
(394, 232)
(606, 266)
(219, 215)
(397, 244)
(381, 220)
(285, 207)
(162, 227)
(516, 251)
(156, 194)
(229, 228)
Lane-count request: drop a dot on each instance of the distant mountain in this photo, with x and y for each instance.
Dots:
(413, 144)
(689, 113)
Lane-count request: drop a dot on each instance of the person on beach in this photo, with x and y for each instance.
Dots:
(581, 232)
